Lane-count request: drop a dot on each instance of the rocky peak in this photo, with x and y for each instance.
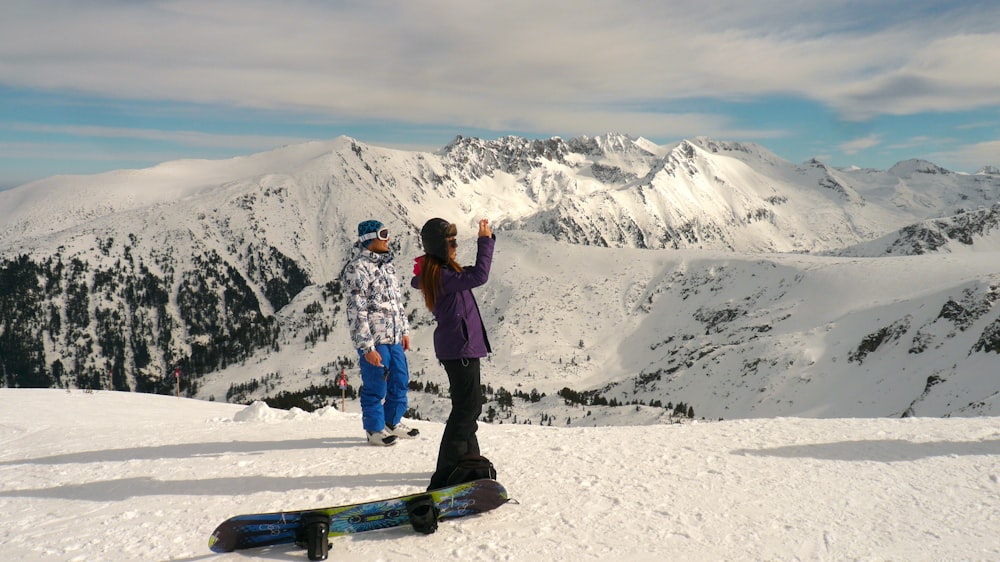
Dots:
(908, 168)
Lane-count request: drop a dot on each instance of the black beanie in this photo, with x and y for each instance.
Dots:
(434, 236)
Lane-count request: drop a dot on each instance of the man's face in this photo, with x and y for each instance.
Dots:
(380, 245)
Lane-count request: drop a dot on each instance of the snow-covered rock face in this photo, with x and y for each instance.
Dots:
(625, 272)
(969, 231)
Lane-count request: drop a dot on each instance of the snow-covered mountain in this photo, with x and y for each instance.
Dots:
(968, 231)
(626, 273)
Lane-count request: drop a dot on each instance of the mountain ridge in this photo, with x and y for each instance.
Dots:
(238, 261)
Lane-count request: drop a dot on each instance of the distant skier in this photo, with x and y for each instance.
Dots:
(460, 337)
(380, 332)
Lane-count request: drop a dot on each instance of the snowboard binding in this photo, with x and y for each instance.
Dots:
(423, 514)
(316, 529)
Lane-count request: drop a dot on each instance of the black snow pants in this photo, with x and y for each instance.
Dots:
(459, 437)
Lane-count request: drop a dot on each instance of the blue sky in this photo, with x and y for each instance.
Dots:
(87, 87)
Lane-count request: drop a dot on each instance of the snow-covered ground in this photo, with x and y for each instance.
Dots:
(125, 476)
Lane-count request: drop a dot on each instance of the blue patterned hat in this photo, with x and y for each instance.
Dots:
(367, 231)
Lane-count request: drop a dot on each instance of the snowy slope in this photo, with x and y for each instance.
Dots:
(62, 202)
(733, 335)
(970, 231)
(124, 476)
(640, 274)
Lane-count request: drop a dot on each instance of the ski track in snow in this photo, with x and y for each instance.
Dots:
(124, 476)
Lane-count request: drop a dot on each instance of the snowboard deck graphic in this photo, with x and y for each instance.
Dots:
(287, 527)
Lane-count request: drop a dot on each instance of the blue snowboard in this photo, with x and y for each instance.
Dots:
(288, 527)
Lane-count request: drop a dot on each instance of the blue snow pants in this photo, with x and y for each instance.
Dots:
(383, 389)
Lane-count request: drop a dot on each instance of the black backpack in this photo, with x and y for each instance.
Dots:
(471, 467)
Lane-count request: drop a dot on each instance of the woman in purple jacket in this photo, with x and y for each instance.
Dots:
(460, 337)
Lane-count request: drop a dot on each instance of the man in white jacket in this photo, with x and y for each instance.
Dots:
(380, 332)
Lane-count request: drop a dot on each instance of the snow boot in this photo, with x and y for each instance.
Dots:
(403, 431)
(381, 438)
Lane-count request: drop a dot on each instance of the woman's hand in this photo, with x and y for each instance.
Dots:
(484, 228)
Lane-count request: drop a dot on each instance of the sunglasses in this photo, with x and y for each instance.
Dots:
(383, 234)
(452, 243)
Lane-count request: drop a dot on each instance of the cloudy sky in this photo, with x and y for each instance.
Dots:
(89, 86)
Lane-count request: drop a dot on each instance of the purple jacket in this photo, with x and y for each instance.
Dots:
(460, 333)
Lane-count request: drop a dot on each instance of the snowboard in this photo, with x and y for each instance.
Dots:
(288, 527)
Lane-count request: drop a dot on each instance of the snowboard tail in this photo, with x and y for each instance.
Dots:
(287, 527)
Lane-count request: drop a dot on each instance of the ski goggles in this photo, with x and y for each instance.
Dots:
(382, 234)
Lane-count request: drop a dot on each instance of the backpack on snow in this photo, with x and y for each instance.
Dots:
(471, 467)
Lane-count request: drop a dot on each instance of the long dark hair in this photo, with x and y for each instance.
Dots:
(429, 279)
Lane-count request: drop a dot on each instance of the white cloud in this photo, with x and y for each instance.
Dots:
(184, 138)
(487, 64)
(941, 74)
(978, 125)
(969, 156)
(857, 145)
(912, 142)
